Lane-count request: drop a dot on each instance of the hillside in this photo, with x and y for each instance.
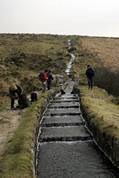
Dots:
(23, 56)
(101, 105)
(103, 55)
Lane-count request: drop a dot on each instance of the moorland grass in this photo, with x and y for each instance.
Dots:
(102, 54)
(17, 160)
(102, 116)
(100, 110)
(23, 56)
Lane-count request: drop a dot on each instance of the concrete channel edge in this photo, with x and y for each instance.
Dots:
(109, 145)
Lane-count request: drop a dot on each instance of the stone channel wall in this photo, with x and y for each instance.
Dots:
(107, 143)
(49, 97)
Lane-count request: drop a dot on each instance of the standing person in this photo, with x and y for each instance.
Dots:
(43, 77)
(49, 80)
(14, 93)
(90, 75)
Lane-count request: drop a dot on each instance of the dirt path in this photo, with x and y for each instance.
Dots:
(9, 121)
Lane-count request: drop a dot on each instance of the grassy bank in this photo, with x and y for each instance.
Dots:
(17, 160)
(23, 56)
(103, 55)
(100, 108)
(103, 119)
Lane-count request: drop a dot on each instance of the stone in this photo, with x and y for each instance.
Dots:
(64, 134)
(73, 160)
(50, 121)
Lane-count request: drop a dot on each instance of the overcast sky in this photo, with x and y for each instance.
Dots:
(82, 17)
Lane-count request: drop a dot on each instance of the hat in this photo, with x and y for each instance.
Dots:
(13, 87)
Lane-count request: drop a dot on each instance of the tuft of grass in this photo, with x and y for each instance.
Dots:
(17, 160)
(102, 117)
(100, 110)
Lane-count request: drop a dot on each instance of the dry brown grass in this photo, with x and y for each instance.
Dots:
(23, 56)
(106, 49)
(103, 55)
(103, 120)
(100, 109)
(18, 138)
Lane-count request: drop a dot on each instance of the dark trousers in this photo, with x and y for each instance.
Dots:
(34, 97)
(90, 82)
(12, 103)
(23, 101)
(48, 85)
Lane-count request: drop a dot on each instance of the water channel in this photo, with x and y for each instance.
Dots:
(65, 147)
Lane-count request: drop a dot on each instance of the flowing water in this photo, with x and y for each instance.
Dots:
(65, 147)
(69, 65)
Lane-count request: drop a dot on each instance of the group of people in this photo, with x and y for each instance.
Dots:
(16, 91)
(46, 79)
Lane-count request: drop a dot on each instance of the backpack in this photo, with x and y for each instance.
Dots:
(23, 101)
(41, 77)
(34, 96)
(46, 76)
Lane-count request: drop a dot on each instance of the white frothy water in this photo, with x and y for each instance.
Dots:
(69, 65)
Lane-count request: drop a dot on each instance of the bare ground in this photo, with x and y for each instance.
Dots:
(9, 122)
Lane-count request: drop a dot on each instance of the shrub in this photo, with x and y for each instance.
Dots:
(108, 80)
(15, 57)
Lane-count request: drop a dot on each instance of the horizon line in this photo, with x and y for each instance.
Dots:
(53, 34)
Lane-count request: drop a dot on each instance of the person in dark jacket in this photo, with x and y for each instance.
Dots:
(14, 93)
(90, 75)
(49, 80)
